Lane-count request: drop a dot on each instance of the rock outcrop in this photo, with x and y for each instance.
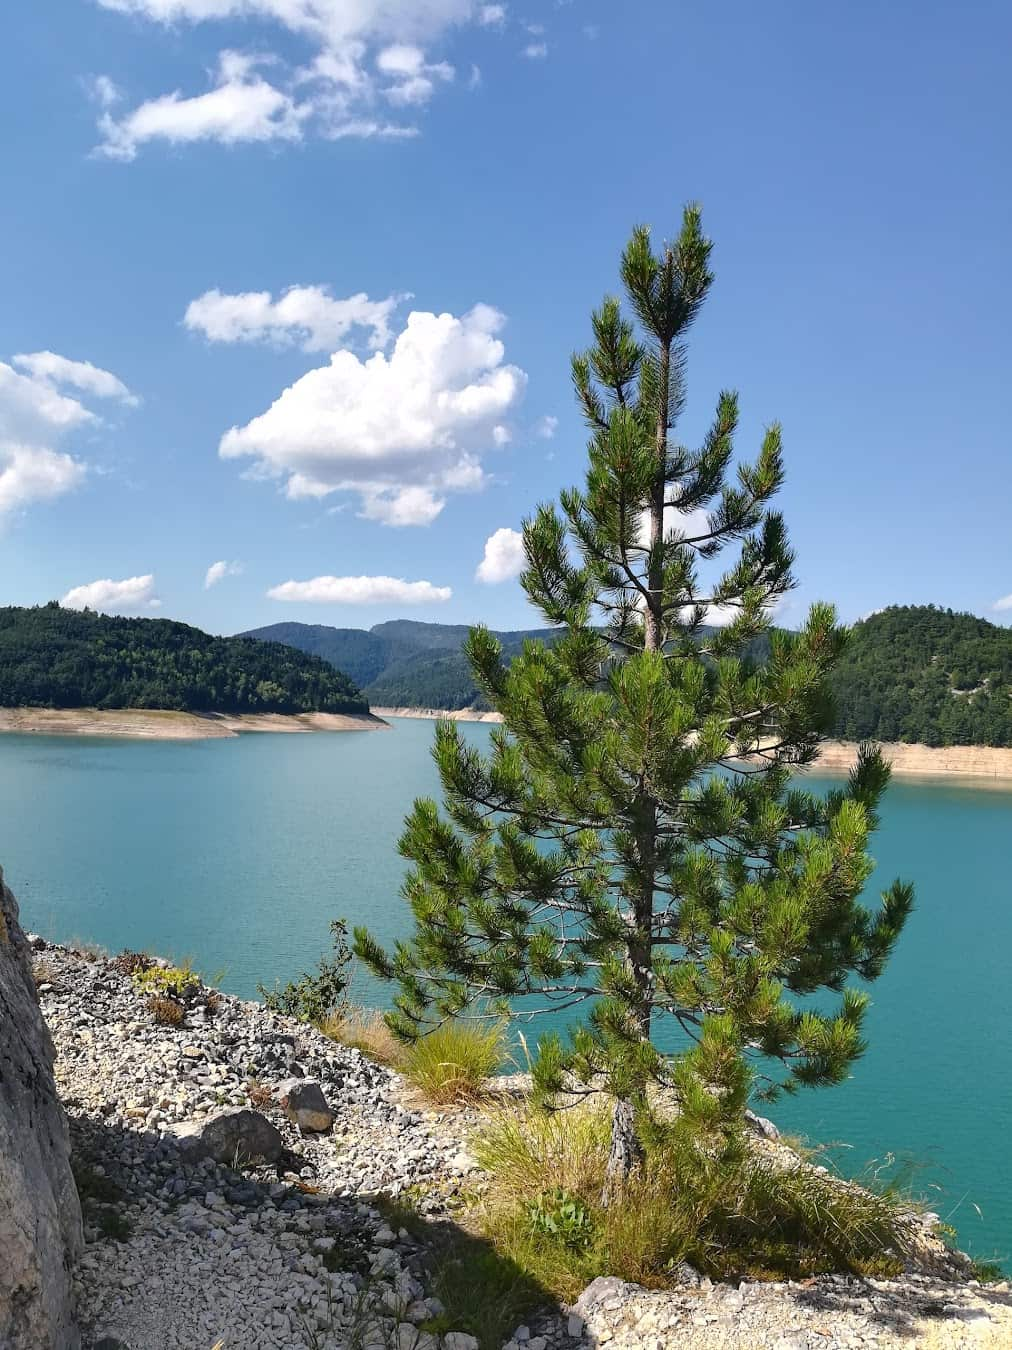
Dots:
(40, 1217)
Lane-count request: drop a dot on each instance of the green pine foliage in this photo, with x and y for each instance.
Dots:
(926, 675)
(617, 852)
(63, 658)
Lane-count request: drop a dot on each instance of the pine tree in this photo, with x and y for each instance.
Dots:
(636, 843)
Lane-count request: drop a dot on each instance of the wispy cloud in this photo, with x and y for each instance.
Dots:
(219, 571)
(367, 56)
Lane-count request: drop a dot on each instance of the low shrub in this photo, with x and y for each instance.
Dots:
(167, 1012)
(133, 963)
(178, 982)
(452, 1063)
(316, 997)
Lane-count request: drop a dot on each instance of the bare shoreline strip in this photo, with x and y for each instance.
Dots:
(156, 725)
(979, 764)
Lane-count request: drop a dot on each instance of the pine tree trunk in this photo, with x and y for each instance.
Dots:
(626, 1152)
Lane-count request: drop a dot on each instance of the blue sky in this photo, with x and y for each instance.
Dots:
(172, 169)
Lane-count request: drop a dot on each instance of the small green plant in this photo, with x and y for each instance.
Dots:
(319, 997)
(988, 1272)
(178, 982)
(453, 1062)
(561, 1215)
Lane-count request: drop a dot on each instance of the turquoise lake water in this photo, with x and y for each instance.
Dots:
(238, 853)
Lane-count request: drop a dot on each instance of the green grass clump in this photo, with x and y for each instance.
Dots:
(720, 1205)
(452, 1063)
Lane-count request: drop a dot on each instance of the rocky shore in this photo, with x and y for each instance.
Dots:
(218, 1212)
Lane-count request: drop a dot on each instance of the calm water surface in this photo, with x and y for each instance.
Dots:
(238, 853)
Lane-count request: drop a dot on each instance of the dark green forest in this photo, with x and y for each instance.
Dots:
(926, 675)
(914, 673)
(62, 658)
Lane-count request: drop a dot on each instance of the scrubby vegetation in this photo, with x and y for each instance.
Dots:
(321, 996)
(926, 675)
(60, 658)
(723, 1206)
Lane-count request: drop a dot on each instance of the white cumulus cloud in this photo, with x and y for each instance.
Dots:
(535, 51)
(219, 571)
(30, 474)
(492, 16)
(242, 106)
(504, 557)
(402, 506)
(360, 591)
(364, 53)
(546, 427)
(35, 415)
(401, 430)
(308, 315)
(114, 597)
(1005, 603)
(82, 375)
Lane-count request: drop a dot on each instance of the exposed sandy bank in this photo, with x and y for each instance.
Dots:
(459, 715)
(152, 725)
(979, 762)
(921, 761)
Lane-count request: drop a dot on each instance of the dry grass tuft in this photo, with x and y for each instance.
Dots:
(258, 1093)
(364, 1029)
(166, 1011)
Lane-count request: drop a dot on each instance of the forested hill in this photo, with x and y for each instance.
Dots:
(927, 675)
(404, 664)
(918, 674)
(62, 658)
(401, 664)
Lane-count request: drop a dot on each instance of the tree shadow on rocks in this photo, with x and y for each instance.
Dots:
(148, 1206)
(900, 1306)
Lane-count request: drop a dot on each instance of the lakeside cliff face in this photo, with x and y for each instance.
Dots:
(40, 1216)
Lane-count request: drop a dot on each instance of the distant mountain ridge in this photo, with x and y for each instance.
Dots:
(63, 658)
(915, 673)
(400, 663)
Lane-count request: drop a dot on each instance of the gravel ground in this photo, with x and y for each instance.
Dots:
(185, 1253)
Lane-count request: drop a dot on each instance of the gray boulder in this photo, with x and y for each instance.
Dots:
(305, 1105)
(233, 1137)
(40, 1215)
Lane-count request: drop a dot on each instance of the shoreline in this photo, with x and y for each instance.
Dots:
(963, 765)
(153, 724)
(976, 764)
